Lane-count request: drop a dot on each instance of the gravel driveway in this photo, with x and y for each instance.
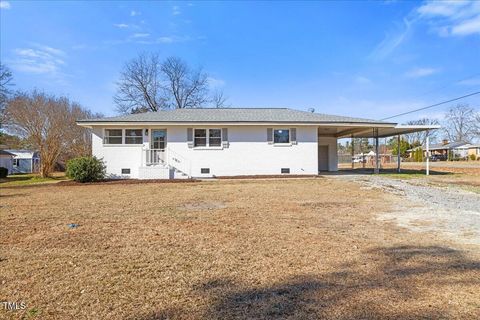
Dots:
(446, 210)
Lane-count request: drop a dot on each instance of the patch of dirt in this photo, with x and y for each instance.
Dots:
(204, 205)
(425, 207)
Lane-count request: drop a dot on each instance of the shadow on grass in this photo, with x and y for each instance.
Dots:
(388, 289)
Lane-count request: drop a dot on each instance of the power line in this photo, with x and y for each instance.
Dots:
(433, 105)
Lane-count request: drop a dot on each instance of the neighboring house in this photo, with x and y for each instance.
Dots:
(184, 143)
(6, 160)
(25, 161)
(474, 149)
(459, 149)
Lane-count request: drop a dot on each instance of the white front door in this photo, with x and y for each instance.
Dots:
(159, 139)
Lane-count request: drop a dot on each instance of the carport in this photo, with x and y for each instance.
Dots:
(375, 131)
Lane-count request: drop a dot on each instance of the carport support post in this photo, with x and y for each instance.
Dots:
(377, 162)
(353, 152)
(398, 154)
(427, 171)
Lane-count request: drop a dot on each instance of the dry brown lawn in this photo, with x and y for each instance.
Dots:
(229, 249)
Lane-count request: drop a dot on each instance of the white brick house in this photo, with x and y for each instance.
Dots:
(186, 143)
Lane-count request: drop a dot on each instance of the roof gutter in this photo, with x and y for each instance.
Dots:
(89, 124)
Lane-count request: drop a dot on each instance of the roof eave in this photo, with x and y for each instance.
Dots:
(87, 123)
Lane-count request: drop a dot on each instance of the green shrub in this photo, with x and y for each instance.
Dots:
(418, 155)
(86, 169)
(3, 172)
(473, 157)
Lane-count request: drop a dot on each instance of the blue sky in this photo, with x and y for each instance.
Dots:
(367, 59)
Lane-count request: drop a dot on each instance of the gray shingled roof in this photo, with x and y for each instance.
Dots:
(234, 115)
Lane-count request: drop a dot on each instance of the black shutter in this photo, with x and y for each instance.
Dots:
(190, 137)
(270, 135)
(225, 137)
(293, 135)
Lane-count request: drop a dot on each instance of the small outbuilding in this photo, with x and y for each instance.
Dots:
(6, 160)
(24, 161)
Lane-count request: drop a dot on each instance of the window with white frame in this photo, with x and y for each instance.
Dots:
(15, 162)
(113, 136)
(133, 136)
(281, 136)
(214, 137)
(200, 138)
(207, 138)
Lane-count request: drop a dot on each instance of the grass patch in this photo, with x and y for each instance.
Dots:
(30, 179)
(227, 249)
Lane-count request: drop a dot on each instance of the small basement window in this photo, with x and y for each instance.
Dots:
(285, 170)
(205, 170)
(125, 171)
(133, 136)
(281, 136)
(113, 136)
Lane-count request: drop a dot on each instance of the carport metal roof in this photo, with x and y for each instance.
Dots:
(383, 132)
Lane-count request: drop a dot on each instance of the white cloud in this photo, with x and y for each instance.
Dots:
(5, 5)
(467, 27)
(134, 13)
(172, 39)
(470, 82)
(140, 35)
(393, 40)
(421, 72)
(39, 60)
(445, 18)
(121, 25)
(215, 83)
(362, 80)
(176, 10)
(441, 8)
(165, 40)
(452, 18)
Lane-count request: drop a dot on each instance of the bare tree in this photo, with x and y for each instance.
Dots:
(49, 124)
(147, 84)
(187, 88)
(419, 138)
(477, 125)
(140, 86)
(460, 123)
(80, 138)
(6, 79)
(218, 99)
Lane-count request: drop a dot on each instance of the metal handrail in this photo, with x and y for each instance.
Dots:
(170, 158)
(155, 156)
